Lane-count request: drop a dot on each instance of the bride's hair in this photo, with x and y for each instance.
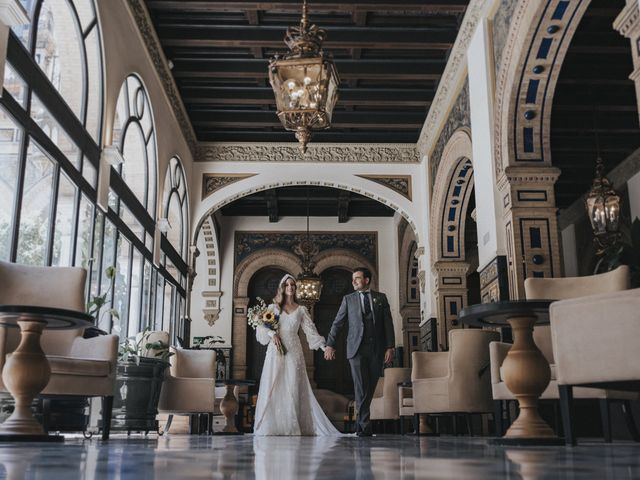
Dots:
(280, 297)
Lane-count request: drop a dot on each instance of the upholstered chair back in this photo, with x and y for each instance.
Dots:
(571, 287)
(56, 287)
(390, 393)
(470, 375)
(193, 363)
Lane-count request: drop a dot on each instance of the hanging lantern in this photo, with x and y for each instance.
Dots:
(305, 82)
(603, 208)
(309, 284)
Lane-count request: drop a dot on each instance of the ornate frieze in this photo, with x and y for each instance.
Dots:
(365, 244)
(318, 152)
(459, 116)
(398, 183)
(494, 281)
(212, 182)
(150, 39)
(500, 30)
(628, 24)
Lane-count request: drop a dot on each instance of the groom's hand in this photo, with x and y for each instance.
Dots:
(388, 355)
(329, 353)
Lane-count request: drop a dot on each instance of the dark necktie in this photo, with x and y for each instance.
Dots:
(366, 303)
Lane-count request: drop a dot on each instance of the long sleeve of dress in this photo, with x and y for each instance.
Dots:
(314, 339)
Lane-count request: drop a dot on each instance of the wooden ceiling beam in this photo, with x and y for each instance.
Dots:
(396, 70)
(421, 6)
(256, 119)
(338, 37)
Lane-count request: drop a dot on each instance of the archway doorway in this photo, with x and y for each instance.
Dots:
(334, 375)
(263, 284)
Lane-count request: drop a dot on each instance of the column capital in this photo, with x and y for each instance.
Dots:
(628, 20)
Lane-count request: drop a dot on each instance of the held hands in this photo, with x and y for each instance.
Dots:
(329, 353)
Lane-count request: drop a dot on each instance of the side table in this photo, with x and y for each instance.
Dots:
(229, 404)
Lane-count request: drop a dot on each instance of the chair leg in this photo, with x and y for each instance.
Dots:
(631, 424)
(107, 407)
(46, 413)
(566, 409)
(497, 418)
(168, 424)
(605, 418)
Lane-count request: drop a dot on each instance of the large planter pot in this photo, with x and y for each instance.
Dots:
(135, 402)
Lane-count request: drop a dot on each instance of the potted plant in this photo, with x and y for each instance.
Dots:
(142, 361)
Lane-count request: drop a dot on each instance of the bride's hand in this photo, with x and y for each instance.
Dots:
(276, 340)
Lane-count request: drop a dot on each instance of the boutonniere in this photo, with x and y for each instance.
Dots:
(376, 301)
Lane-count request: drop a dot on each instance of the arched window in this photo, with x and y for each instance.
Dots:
(134, 134)
(175, 207)
(50, 126)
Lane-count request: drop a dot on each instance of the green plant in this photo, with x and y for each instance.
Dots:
(624, 252)
(138, 346)
(98, 301)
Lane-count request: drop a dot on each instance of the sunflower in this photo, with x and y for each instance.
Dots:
(268, 317)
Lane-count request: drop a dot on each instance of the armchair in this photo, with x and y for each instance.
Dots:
(386, 401)
(79, 366)
(595, 340)
(190, 385)
(558, 288)
(456, 381)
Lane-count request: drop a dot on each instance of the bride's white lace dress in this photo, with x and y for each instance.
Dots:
(286, 404)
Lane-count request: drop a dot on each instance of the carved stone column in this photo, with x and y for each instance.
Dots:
(628, 24)
(451, 296)
(239, 338)
(533, 248)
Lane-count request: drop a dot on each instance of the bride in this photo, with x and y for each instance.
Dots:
(286, 405)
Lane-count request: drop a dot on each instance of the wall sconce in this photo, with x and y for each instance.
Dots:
(111, 155)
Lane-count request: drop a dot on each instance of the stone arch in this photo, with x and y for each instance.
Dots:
(455, 170)
(268, 257)
(286, 183)
(345, 259)
(535, 48)
(211, 292)
(452, 190)
(409, 311)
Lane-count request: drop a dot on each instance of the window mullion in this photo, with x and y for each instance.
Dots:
(52, 214)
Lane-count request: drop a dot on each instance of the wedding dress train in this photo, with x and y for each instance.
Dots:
(286, 404)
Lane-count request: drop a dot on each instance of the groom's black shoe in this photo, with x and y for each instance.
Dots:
(364, 434)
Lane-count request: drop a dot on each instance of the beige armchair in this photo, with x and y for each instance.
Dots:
(79, 366)
(550, 289)
(386, 401)
(596, 341)
(190, 385)
(456, 381)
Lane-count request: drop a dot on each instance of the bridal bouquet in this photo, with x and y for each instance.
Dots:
(264, 315)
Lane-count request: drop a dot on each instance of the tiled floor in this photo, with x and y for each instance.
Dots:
(284, 458)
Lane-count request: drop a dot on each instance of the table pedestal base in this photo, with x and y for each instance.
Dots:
(229, 408)
(527, 374)
(26, 373)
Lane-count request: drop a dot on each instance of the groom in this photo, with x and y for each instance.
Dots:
(370, 341)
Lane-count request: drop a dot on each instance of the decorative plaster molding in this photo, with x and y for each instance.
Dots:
(212, 182)
(453, 76)
(13, 13)
(515, 175)
(627, 19)
(398, 183)
(319, 152)
(154, 49)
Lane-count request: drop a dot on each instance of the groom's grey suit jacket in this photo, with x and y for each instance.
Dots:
(351, 311)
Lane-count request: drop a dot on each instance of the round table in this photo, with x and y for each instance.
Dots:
(526, 371)
(229, 405)
(26, 371)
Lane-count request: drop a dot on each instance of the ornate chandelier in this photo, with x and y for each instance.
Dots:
(603, 208)
(309, 284)
(305, 81)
